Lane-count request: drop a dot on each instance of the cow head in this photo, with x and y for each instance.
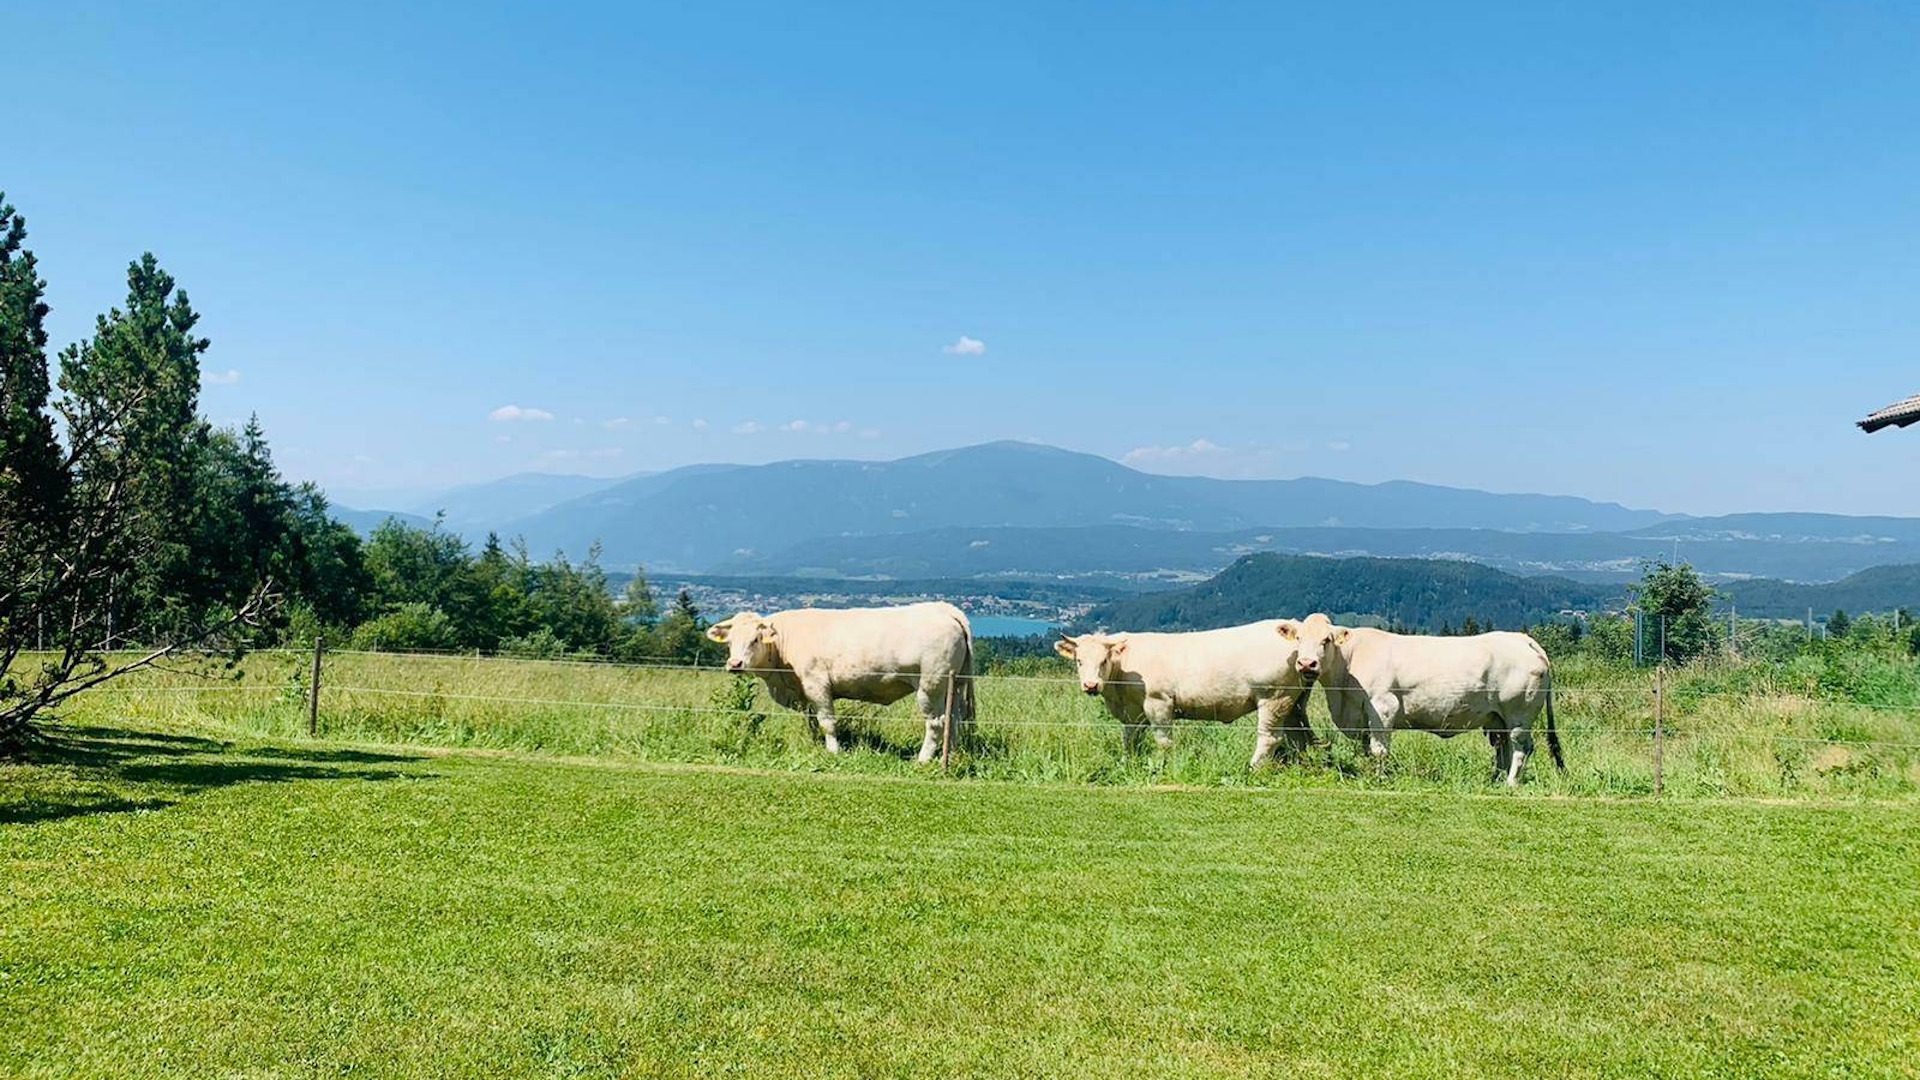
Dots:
(752, 642)
(1097, 655)
(1312, 637)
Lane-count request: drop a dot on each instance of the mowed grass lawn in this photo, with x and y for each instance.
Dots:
(176, 905)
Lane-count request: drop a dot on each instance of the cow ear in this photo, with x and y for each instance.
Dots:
(768, 633)
(1340, 637)
(718, 631)
(1116, 650)
(1066, 647)
(1289, 629)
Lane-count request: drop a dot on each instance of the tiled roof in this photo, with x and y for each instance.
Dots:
(1899, 414)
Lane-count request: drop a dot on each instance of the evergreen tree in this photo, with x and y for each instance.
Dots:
(682, 634)
(33, 481)
(1839, 623)
(96, 535)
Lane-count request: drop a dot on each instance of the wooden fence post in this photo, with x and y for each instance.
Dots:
(946, 728)
(1659, 728)
(313, 689)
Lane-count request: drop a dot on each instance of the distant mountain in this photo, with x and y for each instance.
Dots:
(1786, 550)
(365, 521)
(475, 509)
(1421, 593)
(702, 517)
(1883, 588)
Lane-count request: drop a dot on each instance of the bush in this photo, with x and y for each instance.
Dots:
(413, 626)
(542, 644)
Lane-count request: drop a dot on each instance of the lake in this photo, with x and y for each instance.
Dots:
(1009, 626)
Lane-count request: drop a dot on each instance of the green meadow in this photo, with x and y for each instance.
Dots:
(489, 868)
(183, 904)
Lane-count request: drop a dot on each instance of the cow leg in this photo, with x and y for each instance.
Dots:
(1131, 732)
(936, 723)
(1267, 734)
(1161, 714)
(1521, 739)
(1502, 751)
(1294, 725)
(1276, 723)
(1380, 714)
(829, 731)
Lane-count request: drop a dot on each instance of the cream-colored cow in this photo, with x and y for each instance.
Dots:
(1219, 675)
(812, 657)
(1376, 682)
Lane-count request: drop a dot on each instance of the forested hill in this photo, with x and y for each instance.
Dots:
(1425, 594)
(1881, 588)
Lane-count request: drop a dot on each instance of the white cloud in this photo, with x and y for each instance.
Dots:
(966, 346)
(1153, 455)
(808, 427)
(503, 438)
(598, 453)
(870, 433)
(617, 423)
(663, 421)
(1340, 446)
(699, 424)
(513, 413)
(221, 378)
(1204, 457)
(750, 427)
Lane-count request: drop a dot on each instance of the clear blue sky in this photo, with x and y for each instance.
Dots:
(1656, 253)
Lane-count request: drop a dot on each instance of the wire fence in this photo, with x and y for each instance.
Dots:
(1627, 732)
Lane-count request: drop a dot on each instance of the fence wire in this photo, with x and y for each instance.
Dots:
(1665, 729)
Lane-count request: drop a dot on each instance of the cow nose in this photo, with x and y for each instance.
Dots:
(1309, 667)
(1090, 687)
(736, 665)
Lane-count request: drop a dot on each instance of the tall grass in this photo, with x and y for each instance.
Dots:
(1795, 730)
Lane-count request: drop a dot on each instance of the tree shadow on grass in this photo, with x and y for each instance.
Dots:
(96, 770)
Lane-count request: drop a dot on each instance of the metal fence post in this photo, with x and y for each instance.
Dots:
(313, 688)
(1659, 729)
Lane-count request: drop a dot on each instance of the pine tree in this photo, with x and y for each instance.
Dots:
(100, 529)
(33, 483)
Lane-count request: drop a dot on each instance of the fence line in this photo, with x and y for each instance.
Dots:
(1072, 681)
(1108, 724)
(1554, 690)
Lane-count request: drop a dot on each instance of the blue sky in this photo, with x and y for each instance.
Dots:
(1660, 254)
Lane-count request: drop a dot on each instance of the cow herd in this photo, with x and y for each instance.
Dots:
(1374, 682)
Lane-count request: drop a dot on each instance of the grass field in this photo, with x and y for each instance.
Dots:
(177, 905)
(1734, 730)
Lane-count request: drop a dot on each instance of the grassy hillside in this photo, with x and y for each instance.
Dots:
(1742, 730)
(182, 906)
(1421, 593)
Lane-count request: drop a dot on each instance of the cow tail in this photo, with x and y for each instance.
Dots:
(963, 697)
(1553, 733)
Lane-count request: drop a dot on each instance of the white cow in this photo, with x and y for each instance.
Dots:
(812, 657)
(1375, 682)
(1217, 675)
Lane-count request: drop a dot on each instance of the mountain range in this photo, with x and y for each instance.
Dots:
(1012, 508)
